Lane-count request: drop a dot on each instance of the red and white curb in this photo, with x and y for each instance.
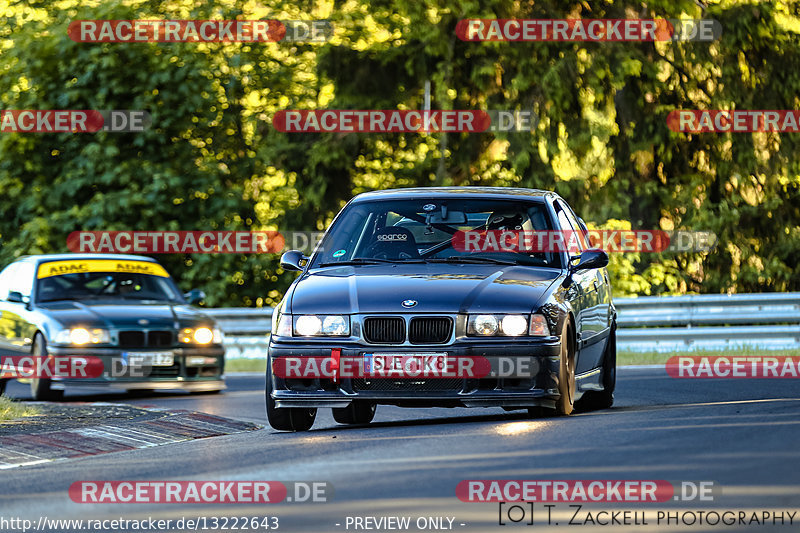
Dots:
(175, 426)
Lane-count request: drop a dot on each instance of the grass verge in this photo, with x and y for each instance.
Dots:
(11, 410)
(245, 365)
(625, 358)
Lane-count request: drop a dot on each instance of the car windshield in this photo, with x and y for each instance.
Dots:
(107, 285)
(431, 230)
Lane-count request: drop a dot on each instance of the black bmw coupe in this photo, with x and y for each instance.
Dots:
(444, 297)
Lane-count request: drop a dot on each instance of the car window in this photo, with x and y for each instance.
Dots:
(578, 224)
(436, 229)
(430, 236)
(16, 277)
(6, 278)
(113, 285)
(109, 280)
(569, 223)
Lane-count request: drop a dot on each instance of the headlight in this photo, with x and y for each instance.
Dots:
(308, 325)
(327, 325)
(201, 335)
(483, 324)
(507, 325)
(514, 325)
(334, 325)
(82, 336)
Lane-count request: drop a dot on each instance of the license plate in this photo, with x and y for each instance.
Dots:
(149, 358)
(405, 364)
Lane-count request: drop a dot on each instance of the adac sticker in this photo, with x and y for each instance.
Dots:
(60, 268)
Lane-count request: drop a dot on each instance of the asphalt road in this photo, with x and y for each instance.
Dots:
(741, 434)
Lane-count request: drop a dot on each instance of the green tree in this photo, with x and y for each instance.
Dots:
(197, 167)
(602, 140)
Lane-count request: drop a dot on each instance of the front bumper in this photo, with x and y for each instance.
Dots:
(538, 388)
(183, 374)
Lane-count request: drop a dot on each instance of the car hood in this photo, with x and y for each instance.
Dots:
(437, 288)
(118, 316)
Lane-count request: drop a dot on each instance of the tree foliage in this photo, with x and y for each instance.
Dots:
(212, 159)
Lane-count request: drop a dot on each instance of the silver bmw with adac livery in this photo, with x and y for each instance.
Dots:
(394, 307)
(123, 312)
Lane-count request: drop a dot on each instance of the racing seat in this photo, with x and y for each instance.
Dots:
(393, 242)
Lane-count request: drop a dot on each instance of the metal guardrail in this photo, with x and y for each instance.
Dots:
(242, 321)
(764, 321)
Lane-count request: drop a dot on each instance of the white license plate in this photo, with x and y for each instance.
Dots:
(149, 358)
(407, 364)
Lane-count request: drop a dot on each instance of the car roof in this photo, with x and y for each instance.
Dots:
(65, 257)
(422, 192)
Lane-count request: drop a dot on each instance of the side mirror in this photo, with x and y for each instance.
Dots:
(293, 260)
(17, 297)
(195, 296)
(592, 258)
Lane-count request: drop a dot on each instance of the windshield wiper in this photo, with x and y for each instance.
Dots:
(72, 298)
(144, 298)
(458, 259)
(370, 261)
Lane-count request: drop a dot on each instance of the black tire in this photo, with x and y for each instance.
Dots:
(40, 387)
(566, 372)
(604, 399)
(2, 386)
(358, 412)
(287, 418)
